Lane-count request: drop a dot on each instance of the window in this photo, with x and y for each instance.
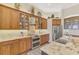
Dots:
(71, 23)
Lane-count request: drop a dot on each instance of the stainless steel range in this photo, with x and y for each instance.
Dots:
(35, 41)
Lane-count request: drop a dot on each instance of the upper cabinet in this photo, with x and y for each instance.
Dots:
(11, 18)
(14, 21)
(43, 23)
(56, 22)
(24, 21)
(5, 17)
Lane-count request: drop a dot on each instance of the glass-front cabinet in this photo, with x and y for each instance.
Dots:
(24, 21)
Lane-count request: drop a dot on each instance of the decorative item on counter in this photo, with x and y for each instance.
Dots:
(17, 5)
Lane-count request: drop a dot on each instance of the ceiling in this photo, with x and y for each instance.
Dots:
(53, 7)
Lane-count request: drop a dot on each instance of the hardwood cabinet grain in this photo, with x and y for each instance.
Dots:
(5, 50)
(22, 45)
(9, 18)
(25, 44)
(14, 19)
(44, 39)
(4, 18)
(43, 24)
(56, 22)
(29, 43)
(9, 47)
(15, 47)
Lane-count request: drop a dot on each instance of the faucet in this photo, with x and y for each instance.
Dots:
(22, 33)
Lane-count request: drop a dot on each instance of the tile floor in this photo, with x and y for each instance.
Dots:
(35, 51)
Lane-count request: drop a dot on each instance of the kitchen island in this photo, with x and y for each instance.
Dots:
(55, 48)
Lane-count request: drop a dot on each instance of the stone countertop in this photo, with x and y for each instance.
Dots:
(55, 48)
(12, 38)
(43, 33)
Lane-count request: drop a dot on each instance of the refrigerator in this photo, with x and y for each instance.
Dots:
(56, 32)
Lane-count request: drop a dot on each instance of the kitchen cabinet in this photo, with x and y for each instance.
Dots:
(39, 23)
(5, 49)
(44, 39)
(24, 21)
(29, 43)
(17, 46)
(14, 19)
(56, 22)
(43, 23)
(25, 44)
(9, 47)
(9, 18)
(22, 45)
(4, 18)
(14, 47)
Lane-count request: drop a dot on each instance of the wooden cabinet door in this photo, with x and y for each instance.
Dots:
(15, 19)
(15, 47)
(4, 17)
(9, 18)
(56, 22)
(22, 45)
(44, 39)
(44, 24)
(29, 44)
(5, 48)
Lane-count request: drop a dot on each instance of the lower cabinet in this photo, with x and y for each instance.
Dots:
(22, 45)
(44, 39)
(29, 44)
(5, 49)
(25, 44)
(14, 47)
(9, 47)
